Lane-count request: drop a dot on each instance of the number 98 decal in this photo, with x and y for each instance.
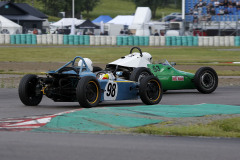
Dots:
(111, 91)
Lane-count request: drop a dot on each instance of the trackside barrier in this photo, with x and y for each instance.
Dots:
(58, 39)
(2, 39)
(237, 41)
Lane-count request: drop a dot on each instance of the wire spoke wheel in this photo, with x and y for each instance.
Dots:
(206, 80)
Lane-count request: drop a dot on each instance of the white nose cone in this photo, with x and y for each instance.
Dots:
(134, 60)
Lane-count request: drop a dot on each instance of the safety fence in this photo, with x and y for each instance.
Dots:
(58, 39)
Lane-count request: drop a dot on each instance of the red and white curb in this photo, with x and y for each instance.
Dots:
(28, 123)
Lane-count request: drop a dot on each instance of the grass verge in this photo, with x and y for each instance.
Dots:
(220, 128)
(108, 54)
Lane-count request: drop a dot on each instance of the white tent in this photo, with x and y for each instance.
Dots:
(123, 20)
(117, 24)
(9, 27)
(67, 22)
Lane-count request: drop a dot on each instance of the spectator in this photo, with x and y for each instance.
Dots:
(162, 32)
(221, 12)
(212, 11)
(35, 31)
(121, 32)
(200, 4)
(234, 3)
(191, 12)
(225, 3)
(195, 18)
(238, 4)
(221, 2)
(156, 33)
(216, 4)
(209, 17)
(226, 11)
(230, 10)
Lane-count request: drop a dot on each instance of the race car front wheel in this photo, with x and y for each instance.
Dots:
(88, 92)
(139, 73)
(29, 90)
(206, 80)
(150, 90)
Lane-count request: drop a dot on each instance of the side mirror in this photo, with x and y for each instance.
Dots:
(173, 63)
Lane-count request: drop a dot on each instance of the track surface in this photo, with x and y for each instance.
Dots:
(27, 145)
(11, 107)
(39, 146)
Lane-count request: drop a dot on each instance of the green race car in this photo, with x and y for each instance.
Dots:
(205, 80)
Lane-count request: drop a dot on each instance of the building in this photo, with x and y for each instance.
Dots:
(23, 14)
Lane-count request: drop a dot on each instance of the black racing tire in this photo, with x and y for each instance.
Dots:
(150, 90)
(206, 80)
(139, 73)
(88, 92)
(97, 69)
(27, 90)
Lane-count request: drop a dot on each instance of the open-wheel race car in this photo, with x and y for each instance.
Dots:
(126, 65)
(135, 66)
(78, 83)
(205, 80)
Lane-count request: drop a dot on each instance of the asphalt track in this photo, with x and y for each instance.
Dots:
(28, 145)
(11, 107)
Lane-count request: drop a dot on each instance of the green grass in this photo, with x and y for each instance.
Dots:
(108, 54)
(111, 8)
(220, 128)
(104, 55)
(122, 7)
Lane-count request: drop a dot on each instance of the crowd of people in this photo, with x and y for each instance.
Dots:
(205, 10)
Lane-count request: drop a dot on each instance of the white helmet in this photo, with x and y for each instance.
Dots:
(147, 56)
(88, 62)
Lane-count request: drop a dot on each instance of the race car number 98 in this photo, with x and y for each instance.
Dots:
(111, 91)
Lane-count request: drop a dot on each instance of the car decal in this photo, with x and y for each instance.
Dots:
(111, 91)
(177, 78)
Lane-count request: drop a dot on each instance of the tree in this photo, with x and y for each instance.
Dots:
(85, 5)
(152, 4)
(52, 7)
(90, 4)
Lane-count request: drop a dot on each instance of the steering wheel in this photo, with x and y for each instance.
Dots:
(138, 50)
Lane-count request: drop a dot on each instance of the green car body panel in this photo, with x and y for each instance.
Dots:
(171, 78)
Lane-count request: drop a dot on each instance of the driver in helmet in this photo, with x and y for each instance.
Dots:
(88, 63)
(147, 56)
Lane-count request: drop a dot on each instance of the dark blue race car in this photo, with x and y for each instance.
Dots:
(87, 85)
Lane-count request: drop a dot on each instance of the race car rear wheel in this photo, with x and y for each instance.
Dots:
(150, 90)
(88, 92)
(206, 80)
(139, 73)
(29, 90)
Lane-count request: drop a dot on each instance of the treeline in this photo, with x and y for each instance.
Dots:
(53, 7)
